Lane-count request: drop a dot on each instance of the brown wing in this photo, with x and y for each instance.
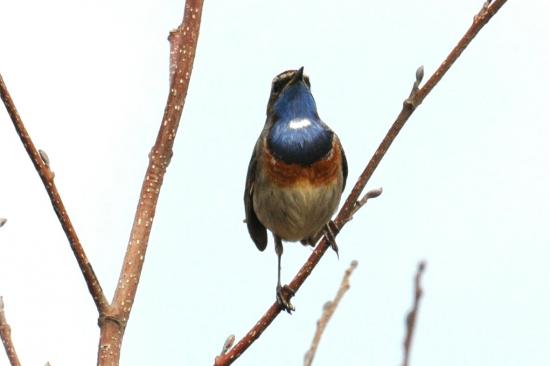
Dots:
(256, 229)
(344, 166)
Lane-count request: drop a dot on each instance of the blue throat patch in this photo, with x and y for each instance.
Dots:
(297, 135)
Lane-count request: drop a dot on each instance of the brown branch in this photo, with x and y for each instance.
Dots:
(5, 334)
(413, 313)
(114, 317)
(345, 213)
(328, 311)
(414, 101)
(47, 176)
(183, 43)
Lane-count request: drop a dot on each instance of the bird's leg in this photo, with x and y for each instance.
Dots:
(329, 230)
(284, 293)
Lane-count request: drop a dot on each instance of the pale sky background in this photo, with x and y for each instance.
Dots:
(465, 184)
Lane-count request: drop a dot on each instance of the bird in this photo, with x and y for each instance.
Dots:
(296, 174)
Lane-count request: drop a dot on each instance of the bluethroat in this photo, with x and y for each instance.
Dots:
(296, 174)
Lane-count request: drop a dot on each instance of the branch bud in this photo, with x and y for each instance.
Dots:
(419, 74)
(44, 157)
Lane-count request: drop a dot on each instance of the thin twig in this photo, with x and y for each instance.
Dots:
(373, 193)
(347, 209)
(410, 320)
(47, 176)
(5, 334)
(183, 43)
(328, 311)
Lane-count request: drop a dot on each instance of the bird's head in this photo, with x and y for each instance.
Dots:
(291, 93)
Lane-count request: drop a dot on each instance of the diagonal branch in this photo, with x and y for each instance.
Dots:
(5, 334)
(183, 43)
(414, 101)
(328, 311)
(47, 176)
(411, 316)
(410, 104)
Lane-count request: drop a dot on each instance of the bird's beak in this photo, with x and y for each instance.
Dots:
(299, 76)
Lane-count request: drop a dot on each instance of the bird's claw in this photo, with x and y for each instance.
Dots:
(334, 247)
(284, 293)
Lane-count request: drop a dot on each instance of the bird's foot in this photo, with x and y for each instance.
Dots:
(284, 293)
(310, 241)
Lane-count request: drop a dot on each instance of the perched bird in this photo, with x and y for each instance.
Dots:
(296, 174)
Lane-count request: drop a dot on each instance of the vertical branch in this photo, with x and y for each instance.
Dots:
(183, 43)
(410, 321)
(5, 334)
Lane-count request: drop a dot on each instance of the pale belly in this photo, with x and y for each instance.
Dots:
(298, 212)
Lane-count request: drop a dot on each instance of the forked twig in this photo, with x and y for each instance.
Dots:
(347, 209)
(410, 320)
(328, 311)
(5, 334)
(373, 193)
(113, 317)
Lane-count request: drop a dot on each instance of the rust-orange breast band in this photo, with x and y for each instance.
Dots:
(319, 173)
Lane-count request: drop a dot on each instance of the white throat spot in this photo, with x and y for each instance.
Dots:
(298, 123)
